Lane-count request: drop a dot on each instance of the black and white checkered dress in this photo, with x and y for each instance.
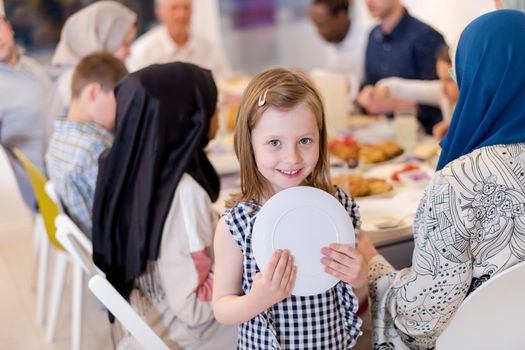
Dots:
(323, 321)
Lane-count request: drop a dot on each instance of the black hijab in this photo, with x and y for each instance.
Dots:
(163, 117)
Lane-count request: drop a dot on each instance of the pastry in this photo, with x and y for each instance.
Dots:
(359, 186)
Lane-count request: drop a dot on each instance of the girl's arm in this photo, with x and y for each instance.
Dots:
(230, 306)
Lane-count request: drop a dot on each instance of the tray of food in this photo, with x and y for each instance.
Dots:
(349, 150)
(361, 186)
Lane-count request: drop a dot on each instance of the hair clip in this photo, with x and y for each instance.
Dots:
(262, 98)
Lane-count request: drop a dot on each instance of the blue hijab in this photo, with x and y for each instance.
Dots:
(490, 72)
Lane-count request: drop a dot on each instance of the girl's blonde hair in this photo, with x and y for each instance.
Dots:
(282, 89)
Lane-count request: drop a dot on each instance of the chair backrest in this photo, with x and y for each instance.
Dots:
(22, 180)
(52, 194)
(80, 248)
(491, 317)
(123, 311)
(76, 243)
(48, 209)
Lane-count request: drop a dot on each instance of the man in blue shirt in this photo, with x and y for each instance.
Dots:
(400, 46)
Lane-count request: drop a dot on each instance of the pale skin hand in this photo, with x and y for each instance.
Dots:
(269, 287)
(378, 101)
(347, 264)
(382, 92)
(366, 95)
(440, 129)
(276, 283)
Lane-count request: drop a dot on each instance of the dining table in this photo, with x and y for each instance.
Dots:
(386, 218)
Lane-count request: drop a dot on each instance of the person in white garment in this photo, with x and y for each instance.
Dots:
(172, 40)
(345, 26)
(442, 93)
(23, 94)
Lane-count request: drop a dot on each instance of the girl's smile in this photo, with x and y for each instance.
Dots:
(291, 173)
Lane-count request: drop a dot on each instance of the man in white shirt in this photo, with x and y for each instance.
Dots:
(346, 30)
(172, 41)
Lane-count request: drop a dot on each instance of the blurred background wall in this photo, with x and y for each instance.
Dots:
(255, 33)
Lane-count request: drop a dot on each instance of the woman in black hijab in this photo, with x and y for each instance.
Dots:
(152, 216)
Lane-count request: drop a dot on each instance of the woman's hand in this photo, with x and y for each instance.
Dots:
(440, 129)
(365, 96)
(345, 263)
(366, 247)
(276, 282)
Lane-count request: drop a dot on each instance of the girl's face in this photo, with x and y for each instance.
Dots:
(286, 146)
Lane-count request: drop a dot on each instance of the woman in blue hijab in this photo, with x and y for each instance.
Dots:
(470, 224)
(489, 72)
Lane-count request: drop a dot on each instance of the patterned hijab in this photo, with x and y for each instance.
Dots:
(490, 72)
(101, 26)
(163, 118)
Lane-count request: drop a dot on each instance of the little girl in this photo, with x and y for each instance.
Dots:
(280, 141)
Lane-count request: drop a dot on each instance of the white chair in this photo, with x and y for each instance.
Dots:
(62, 261)
(41, 244)
(76, 243)
(490, 317)
(72, 239)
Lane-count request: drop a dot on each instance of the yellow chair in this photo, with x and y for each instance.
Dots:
(49, 209)
(48, 212)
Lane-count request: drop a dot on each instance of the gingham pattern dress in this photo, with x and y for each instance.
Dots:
(324, 321)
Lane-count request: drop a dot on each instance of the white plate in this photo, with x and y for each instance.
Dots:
(302, 220)
(369, 223)
(396, 160)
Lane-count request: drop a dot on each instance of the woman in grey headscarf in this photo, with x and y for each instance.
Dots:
(101, 26)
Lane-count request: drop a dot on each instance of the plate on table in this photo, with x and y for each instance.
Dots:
(373, 223)
(401, 158)
(380, 153)
(302, 220)
(359, 186)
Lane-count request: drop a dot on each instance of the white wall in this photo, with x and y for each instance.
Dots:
(448, 16)
(206, 20)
